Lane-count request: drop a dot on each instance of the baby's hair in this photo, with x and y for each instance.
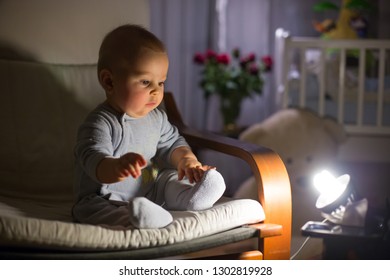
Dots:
(122, 45)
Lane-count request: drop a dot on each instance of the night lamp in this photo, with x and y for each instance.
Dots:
(337, 200)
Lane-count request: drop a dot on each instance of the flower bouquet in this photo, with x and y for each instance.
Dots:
(231, 79)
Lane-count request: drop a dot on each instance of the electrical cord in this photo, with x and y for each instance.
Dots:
(300, 248)
(303, 244)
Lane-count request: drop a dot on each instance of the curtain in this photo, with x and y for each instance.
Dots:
(189, 26)
(185, 27)
(248, 28)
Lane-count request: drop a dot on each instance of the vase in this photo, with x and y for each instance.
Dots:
(230, 109)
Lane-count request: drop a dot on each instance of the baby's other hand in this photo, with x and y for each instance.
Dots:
(131, 164)
(193, 171)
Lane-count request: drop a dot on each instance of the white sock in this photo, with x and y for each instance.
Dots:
(207, 191)
(181, 195)
(146, 214)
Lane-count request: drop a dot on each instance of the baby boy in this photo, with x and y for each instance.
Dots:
(132, 165)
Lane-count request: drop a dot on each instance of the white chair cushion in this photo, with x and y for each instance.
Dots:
(17, 228)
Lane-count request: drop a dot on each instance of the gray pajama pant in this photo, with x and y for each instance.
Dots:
(168, 192)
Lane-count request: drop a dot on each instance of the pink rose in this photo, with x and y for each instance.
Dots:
(253, 69)
(267, 61)
(243, 63)
(223, 58)
(210, 54)
(251, 57)
(199, 58)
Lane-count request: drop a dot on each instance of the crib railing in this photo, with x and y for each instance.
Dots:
(291, 51)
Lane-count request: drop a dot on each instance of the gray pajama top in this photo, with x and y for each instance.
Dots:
(107, 133)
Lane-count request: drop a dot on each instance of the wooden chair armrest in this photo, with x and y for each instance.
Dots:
(274, 191)
(273, 184)
(267, 230)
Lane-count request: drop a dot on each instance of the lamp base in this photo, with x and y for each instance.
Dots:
(353, 214)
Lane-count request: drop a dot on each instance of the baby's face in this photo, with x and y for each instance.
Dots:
(141, 89)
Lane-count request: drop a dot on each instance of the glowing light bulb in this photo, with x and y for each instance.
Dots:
(330, 187)
(324, 182)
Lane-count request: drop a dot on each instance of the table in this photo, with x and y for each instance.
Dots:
(347, 242)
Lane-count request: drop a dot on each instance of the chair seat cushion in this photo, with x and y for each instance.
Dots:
(19, 228)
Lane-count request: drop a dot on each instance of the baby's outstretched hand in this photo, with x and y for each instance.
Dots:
(192, 170)
(131, 164)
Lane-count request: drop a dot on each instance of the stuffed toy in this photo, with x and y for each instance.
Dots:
(307, 143)
(351, 22)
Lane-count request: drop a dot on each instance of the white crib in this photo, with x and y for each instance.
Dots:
(348, 80)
